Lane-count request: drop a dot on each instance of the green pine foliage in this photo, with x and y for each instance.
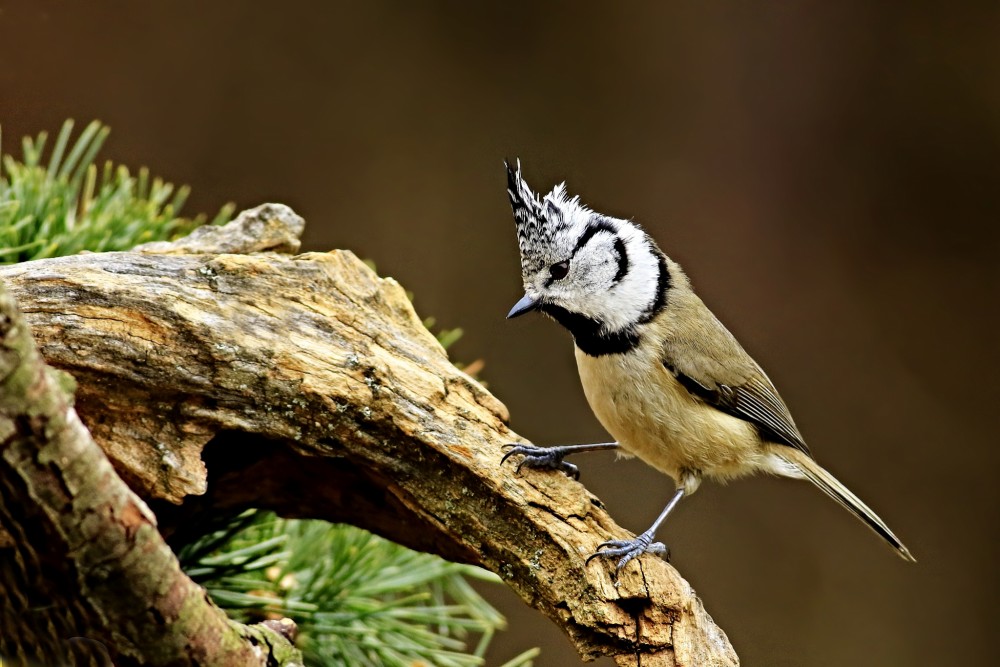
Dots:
(67, 204)
(357, 599)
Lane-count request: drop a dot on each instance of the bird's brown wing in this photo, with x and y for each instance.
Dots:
(727, 378)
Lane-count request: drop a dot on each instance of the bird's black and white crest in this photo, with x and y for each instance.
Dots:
(540, 221)
(601, 277)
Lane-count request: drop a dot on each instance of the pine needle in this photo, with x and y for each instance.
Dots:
(68, 205)
(356, 598)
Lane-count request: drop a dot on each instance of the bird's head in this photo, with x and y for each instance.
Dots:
(579, 265)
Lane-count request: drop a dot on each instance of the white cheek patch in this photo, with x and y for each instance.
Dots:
(615, 286)
(622, 304)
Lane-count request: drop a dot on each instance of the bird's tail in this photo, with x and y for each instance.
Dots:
(833, 488)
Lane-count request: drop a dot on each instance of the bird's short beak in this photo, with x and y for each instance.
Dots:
(523, 306)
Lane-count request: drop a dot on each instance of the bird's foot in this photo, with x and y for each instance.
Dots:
(541, 457)
(629, 549)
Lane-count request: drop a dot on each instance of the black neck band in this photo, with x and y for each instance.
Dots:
(588, 334)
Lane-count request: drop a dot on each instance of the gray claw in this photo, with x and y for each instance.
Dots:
(541, 457)
(629, 549)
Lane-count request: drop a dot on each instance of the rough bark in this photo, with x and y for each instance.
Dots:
(85, 576)
(308, 385)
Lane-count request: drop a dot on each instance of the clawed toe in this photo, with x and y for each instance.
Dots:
(511, 450)
(627, 550)
(540, 457)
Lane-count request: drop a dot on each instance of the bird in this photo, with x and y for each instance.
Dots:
(661, 373)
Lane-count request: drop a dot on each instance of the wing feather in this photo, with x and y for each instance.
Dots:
(711, 364)
(759, 401)
(755, 401)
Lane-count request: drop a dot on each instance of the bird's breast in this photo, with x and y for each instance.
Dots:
(654, 417)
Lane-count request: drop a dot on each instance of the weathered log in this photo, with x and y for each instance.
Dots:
(308, 385)
(84, 574)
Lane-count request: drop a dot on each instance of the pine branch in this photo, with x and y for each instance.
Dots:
(68, 205)
(347, 591)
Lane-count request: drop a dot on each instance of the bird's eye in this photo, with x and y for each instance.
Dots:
(559, 271)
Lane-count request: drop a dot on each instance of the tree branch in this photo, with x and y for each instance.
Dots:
(308, 385)
(84, 573)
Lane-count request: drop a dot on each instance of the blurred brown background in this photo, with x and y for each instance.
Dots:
(826, 172)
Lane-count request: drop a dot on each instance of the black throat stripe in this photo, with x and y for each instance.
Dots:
(588, 335)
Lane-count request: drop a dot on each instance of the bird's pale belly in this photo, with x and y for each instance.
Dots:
(653, 417)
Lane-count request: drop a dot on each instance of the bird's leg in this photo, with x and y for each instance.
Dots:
(643, 544)
(552, 457)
